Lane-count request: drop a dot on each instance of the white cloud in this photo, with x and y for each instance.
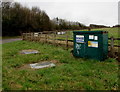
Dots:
(105, 13)
(67, 0)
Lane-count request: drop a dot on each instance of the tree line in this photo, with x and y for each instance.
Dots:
(17, 19)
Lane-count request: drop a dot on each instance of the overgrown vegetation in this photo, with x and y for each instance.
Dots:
(70, 74)
(17, 19)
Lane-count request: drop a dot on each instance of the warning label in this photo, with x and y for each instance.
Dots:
(91, 36)
(93, 44)
(80, 38)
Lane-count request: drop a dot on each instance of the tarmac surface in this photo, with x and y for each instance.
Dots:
(2, 41)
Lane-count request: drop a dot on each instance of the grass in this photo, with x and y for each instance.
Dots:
(70, 74)
(111, 32)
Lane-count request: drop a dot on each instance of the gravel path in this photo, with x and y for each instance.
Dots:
(9, 40)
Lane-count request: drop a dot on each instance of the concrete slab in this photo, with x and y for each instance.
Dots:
(30, 51)
(42, 65)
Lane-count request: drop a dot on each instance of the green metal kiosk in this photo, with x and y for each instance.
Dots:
(91, 44)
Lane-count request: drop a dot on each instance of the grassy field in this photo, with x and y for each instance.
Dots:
(69, 73)
(111, 32)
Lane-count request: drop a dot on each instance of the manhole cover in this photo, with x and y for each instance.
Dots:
(42, 65)
(29, 51)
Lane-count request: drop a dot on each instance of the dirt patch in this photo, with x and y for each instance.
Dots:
(24, 67)
(54, 61)
(15, 85)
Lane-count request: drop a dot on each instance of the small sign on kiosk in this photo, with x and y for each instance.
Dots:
(80, 38)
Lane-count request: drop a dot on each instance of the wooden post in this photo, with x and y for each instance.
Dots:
(30, 36)
(39, 36)
(89, 29)
(36, 38)
(112, 47)
(54, 38)
(22, 36)
(45, 38)
(33, 36)
(26, 36)
(67, 40)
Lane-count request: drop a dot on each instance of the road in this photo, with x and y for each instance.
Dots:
(9, 40)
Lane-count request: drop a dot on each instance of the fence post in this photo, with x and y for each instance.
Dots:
(29, 36)
(26, 36)
(39, 36)
(67, 40)
(22, 36)
(54, 38)
(48, 34)
(45, 37)
(112, 47)
(33, 36)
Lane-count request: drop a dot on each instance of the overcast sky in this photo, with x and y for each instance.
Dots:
(84, 11)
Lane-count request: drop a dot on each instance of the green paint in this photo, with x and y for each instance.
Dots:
(97, 47)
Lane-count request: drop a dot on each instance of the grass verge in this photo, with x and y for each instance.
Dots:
(71, 74)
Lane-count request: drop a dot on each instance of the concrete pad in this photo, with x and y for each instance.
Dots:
(30, 51)
(42, 65)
